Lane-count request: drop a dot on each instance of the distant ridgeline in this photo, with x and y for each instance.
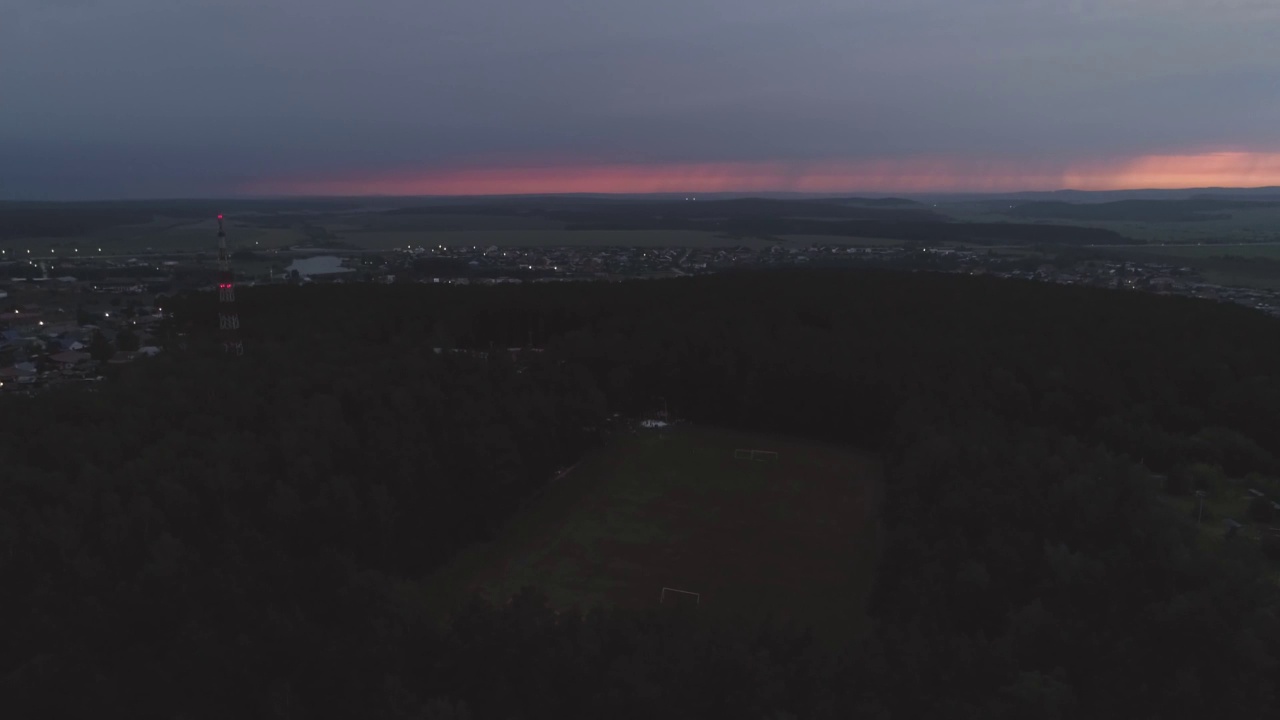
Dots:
(71, 219)
(232, 539)
(889, 218)
(1191, 210)
(883, 218)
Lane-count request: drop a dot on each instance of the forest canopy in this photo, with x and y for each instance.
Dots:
(211, 537)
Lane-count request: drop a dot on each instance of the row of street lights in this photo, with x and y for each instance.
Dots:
(52, 252)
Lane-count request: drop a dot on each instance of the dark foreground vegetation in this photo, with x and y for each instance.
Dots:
(212, 538)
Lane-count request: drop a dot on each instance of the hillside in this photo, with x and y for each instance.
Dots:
(1192, 210)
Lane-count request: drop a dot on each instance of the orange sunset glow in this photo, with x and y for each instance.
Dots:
(1212, 169)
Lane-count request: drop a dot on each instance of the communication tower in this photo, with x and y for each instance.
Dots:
(228, 318)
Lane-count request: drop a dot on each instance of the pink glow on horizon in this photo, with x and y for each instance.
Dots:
(1216, 169)
(1223, 169)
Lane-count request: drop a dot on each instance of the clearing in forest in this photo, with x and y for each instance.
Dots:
(675, 508)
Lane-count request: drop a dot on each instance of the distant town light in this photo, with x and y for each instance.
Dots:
(41, 322)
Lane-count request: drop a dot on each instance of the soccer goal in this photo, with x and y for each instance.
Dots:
(679, 595)
(756, 455)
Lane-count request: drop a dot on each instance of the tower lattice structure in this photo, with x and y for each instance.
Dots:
(228, 318)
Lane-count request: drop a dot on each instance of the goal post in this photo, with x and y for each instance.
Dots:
(755, 455)
(677, 594)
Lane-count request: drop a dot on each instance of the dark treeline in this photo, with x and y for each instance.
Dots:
(71, 219)
(910, 229)
(745, 208)
(55, 220)
(1190, 210)
(756, 217)
(212, 538)
(931, 232)
(603, 210)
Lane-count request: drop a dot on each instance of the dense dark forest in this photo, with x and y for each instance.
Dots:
(757, 217)
(62, 220)
(54, 220)
(205, 537)
(885, 218)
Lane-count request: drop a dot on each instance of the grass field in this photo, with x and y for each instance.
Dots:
(1244, 226)
(674, 508)
(1211, 529)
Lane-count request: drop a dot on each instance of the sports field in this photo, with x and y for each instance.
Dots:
(674, 508)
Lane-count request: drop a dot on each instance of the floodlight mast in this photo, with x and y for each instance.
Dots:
(228, 318)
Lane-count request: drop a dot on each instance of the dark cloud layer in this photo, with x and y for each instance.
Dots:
(146, 97)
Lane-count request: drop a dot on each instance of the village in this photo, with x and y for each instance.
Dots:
(67, 321)
(58, 330)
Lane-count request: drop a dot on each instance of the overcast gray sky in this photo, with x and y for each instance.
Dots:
(137, 98)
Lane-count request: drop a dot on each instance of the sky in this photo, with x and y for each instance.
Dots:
(193, 98)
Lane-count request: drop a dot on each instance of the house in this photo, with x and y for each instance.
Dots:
(20, 373)
(70, 359)
(70, 343)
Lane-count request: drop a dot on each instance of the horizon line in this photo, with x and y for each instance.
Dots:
(872, 194)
